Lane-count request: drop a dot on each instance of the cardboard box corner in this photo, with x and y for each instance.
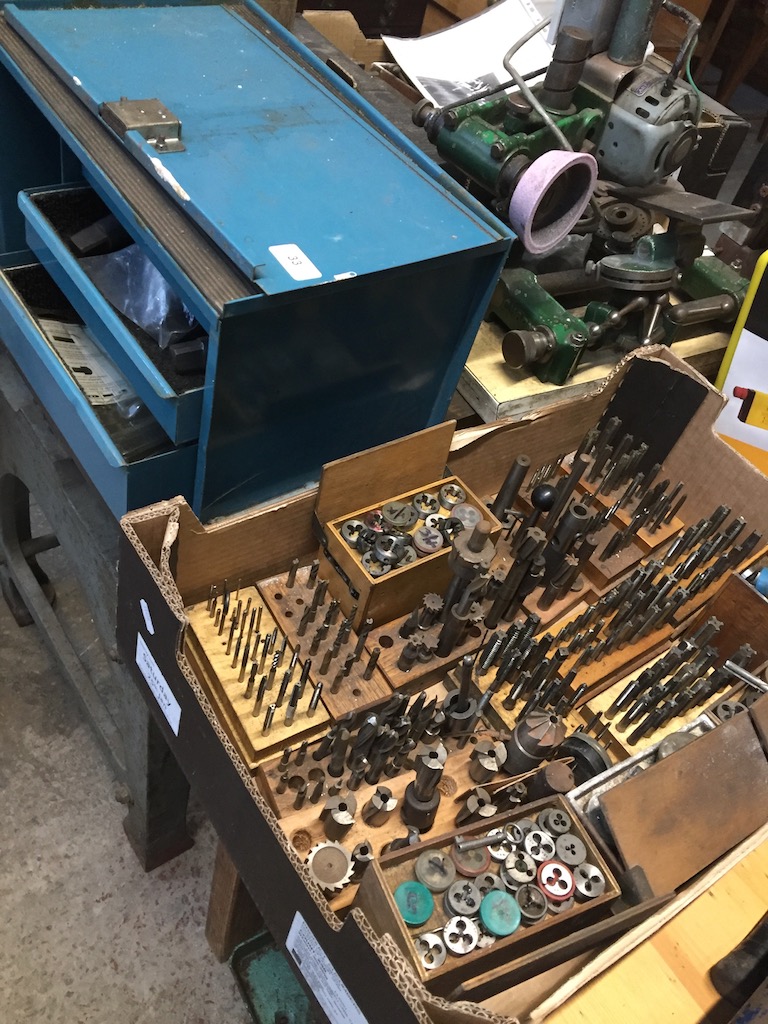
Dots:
(341, 29)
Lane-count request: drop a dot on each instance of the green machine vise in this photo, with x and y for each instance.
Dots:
(545, 336)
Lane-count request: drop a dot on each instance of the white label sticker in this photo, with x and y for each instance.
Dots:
(157, 684)
(147, 617)
(291, 258)
(319, 973)
(94, 373)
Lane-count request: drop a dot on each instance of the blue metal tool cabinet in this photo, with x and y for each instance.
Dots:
(339, 274)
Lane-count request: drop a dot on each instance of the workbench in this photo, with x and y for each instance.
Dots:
(36, 467)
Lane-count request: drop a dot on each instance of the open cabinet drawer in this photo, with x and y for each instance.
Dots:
(129, 458)
(52, 215)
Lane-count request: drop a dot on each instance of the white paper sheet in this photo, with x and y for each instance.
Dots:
(456, 62)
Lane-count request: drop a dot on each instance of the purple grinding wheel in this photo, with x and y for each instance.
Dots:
(550, 196)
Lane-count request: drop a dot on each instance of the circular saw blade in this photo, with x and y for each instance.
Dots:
(330, 864)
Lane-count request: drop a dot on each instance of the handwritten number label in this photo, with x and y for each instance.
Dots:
(295, 262)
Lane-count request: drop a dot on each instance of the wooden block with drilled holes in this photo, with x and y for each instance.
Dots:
(561, 608)
(600, 702)
(614, 666)
(656, 540)
(353, 692)
(647, 539)
(598, 675)
(305, 828)
(605, 573)
(387, 638)
(211, 651)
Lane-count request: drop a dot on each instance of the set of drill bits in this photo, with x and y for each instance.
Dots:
(683, 679)
(615, 466)
(384, 743)
(551, 546)
(657, 592)
(387, 765)
(279, 687)
(543, 670)
(255, 651)
(605, 466)
(518, 625)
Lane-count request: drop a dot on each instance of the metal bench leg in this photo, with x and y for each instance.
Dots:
(14, 496)
(18, 525)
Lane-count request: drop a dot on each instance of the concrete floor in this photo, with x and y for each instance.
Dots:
(85, 935)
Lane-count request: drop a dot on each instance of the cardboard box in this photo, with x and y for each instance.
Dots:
(445, 13)
(168, 560)
(395, 79)
(341, 29)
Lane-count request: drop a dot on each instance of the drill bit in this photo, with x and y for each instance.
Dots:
(372, 662)
(293, 703)
(249, 685)
(259, 696)
(268, 719)
(313, 571)
(291, 578)
(314, 700)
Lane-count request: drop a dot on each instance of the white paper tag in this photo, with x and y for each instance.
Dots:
(321, 976)
(291, 258)
(95, 374)
(147, 617)
(157, 684)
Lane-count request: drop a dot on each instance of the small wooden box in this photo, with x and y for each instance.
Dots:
(382, 877)
(352, 487)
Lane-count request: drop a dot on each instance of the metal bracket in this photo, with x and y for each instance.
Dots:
(150, 118)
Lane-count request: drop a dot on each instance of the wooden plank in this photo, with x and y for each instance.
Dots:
(373, 476)
(717, 785)
(232, 914)
(660, 970)
(495, 390)
(523, 968)
(241, 546)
